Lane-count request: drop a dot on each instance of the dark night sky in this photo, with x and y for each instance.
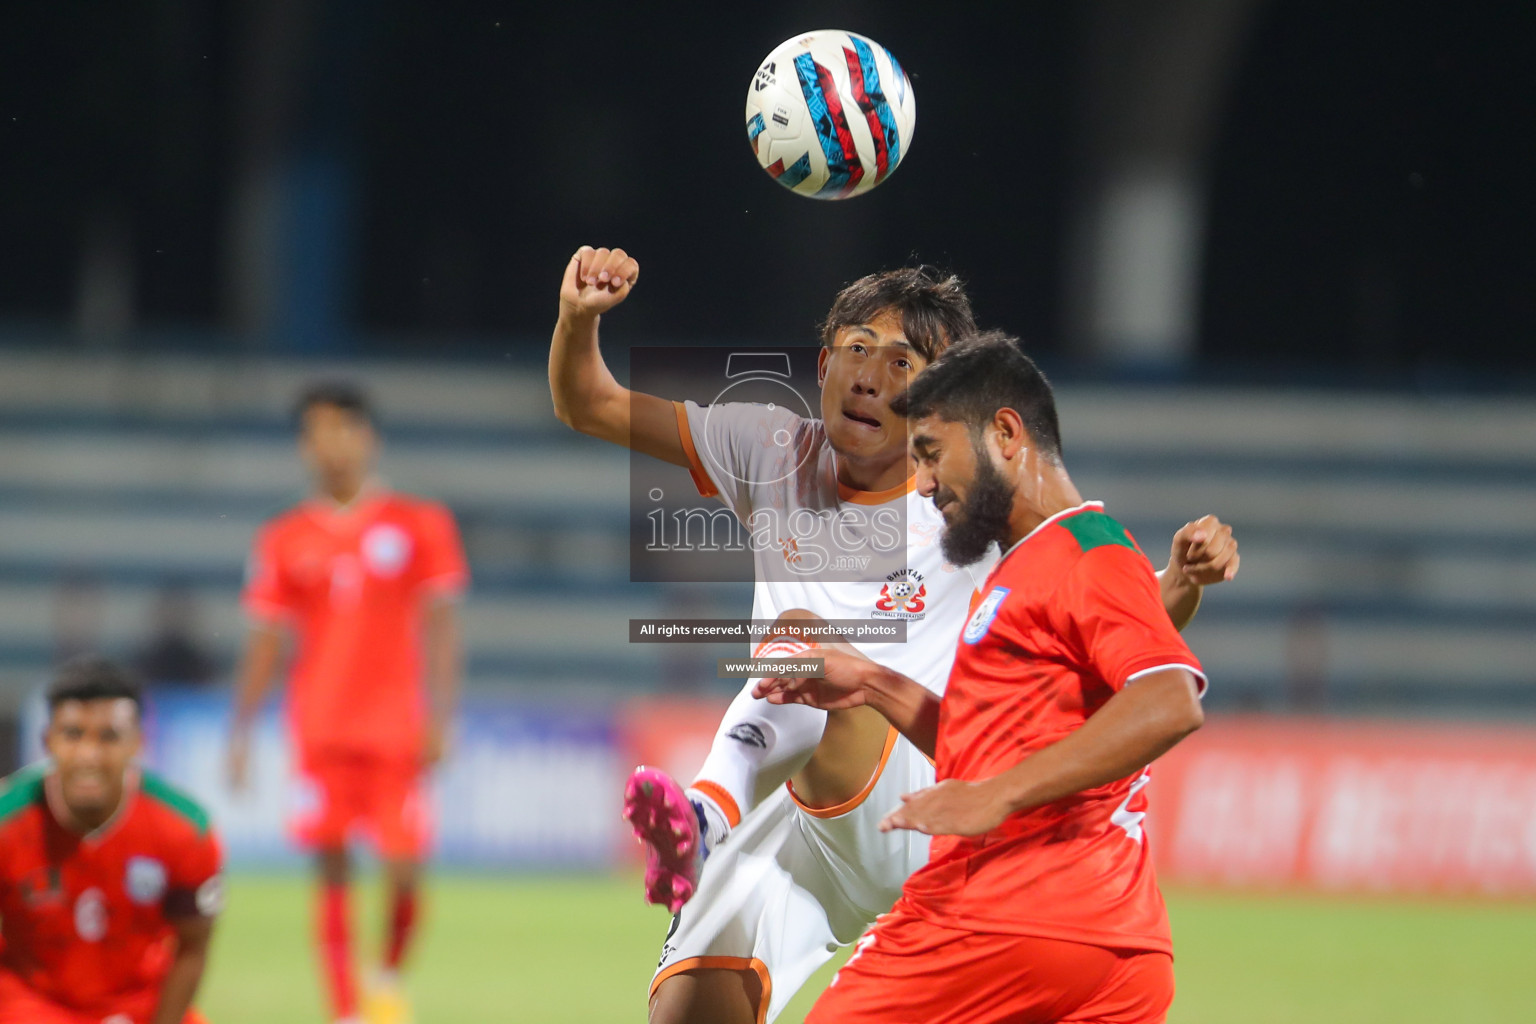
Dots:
(1371, 198)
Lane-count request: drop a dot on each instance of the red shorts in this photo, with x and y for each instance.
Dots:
(22, 1004)
(383, 797)
(907, 971)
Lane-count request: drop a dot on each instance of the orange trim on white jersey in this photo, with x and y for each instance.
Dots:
(839, 810)
(722, 798)
(701, 480)
(857, 497)
(727, 963)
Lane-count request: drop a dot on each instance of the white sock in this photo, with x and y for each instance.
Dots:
(756, 749)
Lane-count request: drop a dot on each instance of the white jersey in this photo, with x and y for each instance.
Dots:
(823, 547)
(793, 882)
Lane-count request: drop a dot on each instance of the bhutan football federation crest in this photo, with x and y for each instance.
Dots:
(904, 596)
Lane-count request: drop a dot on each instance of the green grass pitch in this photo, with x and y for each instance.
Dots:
(580, 949)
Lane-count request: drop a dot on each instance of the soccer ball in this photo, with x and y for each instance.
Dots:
(830, 114)
(902, 590)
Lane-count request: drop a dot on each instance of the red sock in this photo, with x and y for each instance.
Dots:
(335, 941)
(402, 923)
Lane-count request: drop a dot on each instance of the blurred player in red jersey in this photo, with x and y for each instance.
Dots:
(109, 876)
(367, 583)
(1038, 903)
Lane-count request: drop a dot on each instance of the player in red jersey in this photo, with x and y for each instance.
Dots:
(366, 581)
(1038, 903)
(109, 876)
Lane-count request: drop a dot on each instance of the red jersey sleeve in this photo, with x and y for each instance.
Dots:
(442, 568)
(1111, 608)
(267, 595)
(194, 884)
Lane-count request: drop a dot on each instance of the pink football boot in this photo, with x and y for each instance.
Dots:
(667, 826)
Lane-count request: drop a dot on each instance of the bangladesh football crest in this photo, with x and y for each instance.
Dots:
(904, 596)
(981, 619)
(145, 881)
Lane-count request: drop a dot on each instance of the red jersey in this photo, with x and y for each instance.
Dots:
(87, 921)
(1069, 616)
(352, 583)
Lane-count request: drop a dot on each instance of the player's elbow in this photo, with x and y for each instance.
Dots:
(578, 416)
(1176, 696)
(1191, 717)
(586, 414)
(1186, 714)
(566, 411)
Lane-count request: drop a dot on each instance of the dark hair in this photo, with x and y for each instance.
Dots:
(88, 677)
(976, 377)
(933, 307)
(340, 394)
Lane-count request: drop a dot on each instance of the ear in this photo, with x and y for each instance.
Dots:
(821, 366)
(1008, 429)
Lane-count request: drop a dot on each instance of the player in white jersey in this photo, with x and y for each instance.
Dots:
(786, 805)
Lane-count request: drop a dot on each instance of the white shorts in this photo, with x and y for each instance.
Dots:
(791, 884)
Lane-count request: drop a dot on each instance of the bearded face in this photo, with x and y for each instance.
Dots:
(981, 519)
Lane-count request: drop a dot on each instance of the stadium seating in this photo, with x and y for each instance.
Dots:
(1389, 542)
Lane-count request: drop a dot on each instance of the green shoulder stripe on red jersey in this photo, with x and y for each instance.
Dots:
(157, 789)
(1095, 530)
(21, 790)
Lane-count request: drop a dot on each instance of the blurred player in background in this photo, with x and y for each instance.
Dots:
(806, 870)
(366, 582)
(109, 876)
(1039, 902)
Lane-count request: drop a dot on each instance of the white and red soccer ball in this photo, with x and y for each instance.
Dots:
(830, 114)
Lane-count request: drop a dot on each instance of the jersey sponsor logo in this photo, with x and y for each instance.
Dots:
(91, 915)
(210, 896)
(981, 619)
(386, 549)
(145, 880)
(904, 596)
(750, 735)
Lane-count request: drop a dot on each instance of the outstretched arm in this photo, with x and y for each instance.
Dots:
(586, 395)
(1204, 552)
(1133, 728)
(851, 682)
